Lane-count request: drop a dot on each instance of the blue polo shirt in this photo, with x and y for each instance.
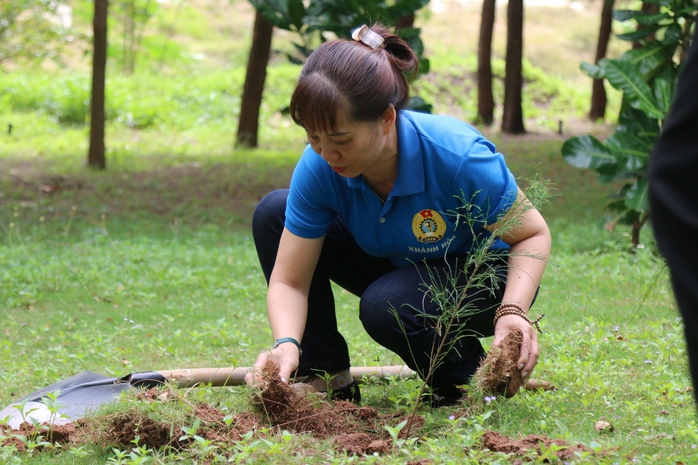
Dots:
(446, 169)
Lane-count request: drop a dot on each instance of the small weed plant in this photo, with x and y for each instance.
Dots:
(454, 296)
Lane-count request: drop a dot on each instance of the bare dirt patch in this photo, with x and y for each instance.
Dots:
(496, 442)
(192, 192)
(276, 406)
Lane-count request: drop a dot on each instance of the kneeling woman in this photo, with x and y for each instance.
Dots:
(376, 204)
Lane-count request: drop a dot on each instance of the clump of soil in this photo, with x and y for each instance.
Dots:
(362, 443)
(498, 373)
(498, 443)
(62, 434)
(125, 427)
(358, 430)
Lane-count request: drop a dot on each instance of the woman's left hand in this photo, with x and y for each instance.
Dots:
(528, 358)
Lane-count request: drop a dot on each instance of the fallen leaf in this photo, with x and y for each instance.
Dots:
(539, 385)
(603, 426)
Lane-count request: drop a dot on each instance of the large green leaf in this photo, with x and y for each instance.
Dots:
(664, 86)
(638, 122)
(655, 18)
(672, 35)
(636, 197)
(405, 8)
(588, 152)
(666, 3)
(631, 152)
(274, 11)
(625, 15)
(686, 11)
(623, 75)
(593, 71)
(640, 33)
(649, 59)
(640, 16)
(296, 12)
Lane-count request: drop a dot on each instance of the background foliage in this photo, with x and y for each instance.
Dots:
(647, 77)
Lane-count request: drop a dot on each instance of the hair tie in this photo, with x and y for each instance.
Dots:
(368, 37)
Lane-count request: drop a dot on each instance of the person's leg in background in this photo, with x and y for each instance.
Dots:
(674, 200)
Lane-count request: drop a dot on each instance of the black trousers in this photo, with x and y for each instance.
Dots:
(382, 286)
(674, 200)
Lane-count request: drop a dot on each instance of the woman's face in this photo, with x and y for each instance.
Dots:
(352, 148)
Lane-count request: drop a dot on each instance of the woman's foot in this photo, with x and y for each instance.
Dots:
(338, 386)
(350, 393)
(444, 396)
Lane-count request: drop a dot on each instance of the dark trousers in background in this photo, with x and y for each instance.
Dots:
(674, 200)
(381, 285)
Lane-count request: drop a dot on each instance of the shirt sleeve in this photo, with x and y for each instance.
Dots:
(485, 184)
(308, 213)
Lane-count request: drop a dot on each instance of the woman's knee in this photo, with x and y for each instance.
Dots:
(378, 317)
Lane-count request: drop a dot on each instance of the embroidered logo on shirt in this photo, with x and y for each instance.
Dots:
(428, 226)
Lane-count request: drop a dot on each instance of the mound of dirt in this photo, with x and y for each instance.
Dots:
(357, 429)
(354, 429)
(498, 443)
(361, 443)
(59, 435)
(498, 373)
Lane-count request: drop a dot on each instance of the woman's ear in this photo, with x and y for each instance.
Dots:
(388, 119)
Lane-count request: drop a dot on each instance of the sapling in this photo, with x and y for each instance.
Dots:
(53, 405)
(453, 296)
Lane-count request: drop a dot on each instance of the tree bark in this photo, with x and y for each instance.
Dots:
(485, 97)
(598, 91)
(248, 125)
(512, 118)
(405, 22)
(95, 156)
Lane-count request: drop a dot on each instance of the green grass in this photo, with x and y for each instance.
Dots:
(152, 271)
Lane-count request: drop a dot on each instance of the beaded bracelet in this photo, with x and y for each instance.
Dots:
(513, 309)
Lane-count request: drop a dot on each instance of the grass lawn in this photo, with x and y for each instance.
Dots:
(151, 266)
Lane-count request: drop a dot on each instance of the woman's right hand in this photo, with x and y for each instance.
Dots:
(286, 355)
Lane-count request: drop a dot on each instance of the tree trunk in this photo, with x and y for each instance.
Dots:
(598, 91)
(485, 98)
(95, 157)
(648, 8)
(248, 125)
(405, 22)
(512, 118)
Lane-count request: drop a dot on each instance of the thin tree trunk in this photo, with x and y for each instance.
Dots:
(248, 125)
(485, 97)
(95, 157)
(598, 91)
(405, 22)
(512, 118)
